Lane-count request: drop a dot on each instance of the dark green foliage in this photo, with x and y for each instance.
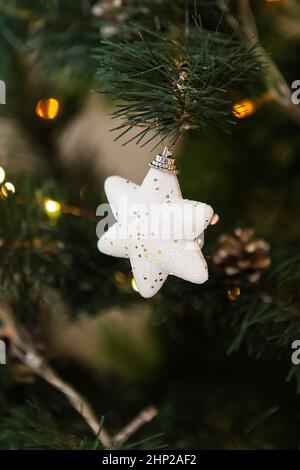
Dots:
(31, 427)
(157, 15)
(174, 83)
(273, 315)
(54, 37)
(263, 322)
(221, 381)
(41, 254)
(267, 322)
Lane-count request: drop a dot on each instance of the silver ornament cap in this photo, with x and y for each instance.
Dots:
(165, 162)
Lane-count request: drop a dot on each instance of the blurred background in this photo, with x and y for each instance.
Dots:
(212, 361)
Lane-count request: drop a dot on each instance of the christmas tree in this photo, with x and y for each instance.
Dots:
(93, 88)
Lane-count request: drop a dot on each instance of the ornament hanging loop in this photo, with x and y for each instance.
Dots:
(165, 162)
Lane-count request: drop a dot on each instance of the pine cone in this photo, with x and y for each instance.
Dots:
(241, 257)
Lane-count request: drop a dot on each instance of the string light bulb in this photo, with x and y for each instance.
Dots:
(3, 191)
(243, 108)
(7, 188)
(233, 294)
(2, 174)
(133, 284)
(53, 208)
(10, 187)
(47, 109)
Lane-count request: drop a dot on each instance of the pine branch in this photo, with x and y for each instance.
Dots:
(247, 30)
(143, 417)
(41, 254)
(25, 351)
(23, 348)
(266, 320)
(174, 82)
(30, 426)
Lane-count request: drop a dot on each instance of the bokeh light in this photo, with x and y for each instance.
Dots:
(2, 174)
(233, 294)
(47, 109)
(243, 108)
(53, 208)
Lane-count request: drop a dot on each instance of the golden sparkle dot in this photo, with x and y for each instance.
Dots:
(243, 108)
(2, 174)
(47, 109)
(53, 208)
(134, 286)
(233, 294)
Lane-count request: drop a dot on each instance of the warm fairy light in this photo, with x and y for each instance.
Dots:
(243, 108)
(47, 109)
(7, 188)
(53, 208)
(233, 294)
(2, 174)
(10, 187)
(3, 191)
(134, 286)
(272, 1)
